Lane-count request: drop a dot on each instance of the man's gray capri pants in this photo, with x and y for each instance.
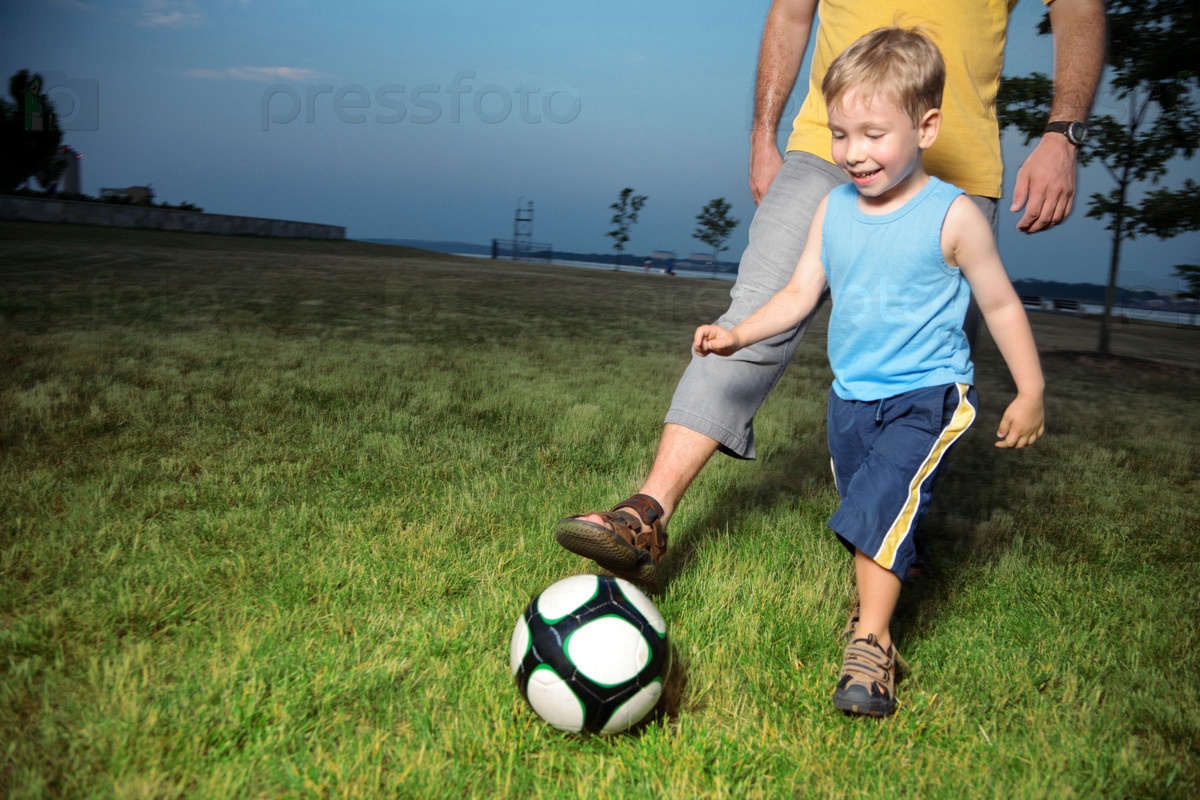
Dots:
(718, 397)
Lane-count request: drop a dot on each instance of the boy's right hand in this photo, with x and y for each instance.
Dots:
(714, 339)
(1023, 423)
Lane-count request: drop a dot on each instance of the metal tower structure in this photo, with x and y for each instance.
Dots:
(523, 230)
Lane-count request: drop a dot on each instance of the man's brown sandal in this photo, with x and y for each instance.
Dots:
(631, 547)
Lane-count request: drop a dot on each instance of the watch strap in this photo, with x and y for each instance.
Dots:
(1067, 128)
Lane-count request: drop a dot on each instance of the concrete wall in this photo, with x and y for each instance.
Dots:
(37, 209)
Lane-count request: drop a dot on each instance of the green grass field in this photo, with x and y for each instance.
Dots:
(270, 509)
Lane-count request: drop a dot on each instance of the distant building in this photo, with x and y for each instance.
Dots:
(130, 194)
(70, 180)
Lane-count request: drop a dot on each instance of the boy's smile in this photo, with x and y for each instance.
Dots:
(864, 178)
(878, 146)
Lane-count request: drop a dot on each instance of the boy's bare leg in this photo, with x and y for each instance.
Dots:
(878, 593)
(867, 685)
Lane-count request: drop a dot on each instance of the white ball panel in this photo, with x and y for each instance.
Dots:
(518, 646)
(561, 598)
(630, 712)
(551, 697)
(608, 651)
(638, 600)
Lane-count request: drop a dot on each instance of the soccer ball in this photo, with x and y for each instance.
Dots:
(590, 653)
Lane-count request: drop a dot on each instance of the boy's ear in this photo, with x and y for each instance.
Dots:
(928, 127)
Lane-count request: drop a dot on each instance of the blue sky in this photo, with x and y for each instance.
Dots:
(432, 121)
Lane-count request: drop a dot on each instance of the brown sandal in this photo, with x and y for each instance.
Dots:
(633, 544)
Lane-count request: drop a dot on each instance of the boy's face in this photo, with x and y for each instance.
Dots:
(877, 145)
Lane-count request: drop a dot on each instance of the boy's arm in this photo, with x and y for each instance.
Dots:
(967, 243)
(784, 311)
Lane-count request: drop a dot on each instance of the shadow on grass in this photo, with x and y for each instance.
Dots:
(766, 486)
(973, 481)
(675, 699)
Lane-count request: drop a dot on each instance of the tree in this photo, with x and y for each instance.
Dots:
(29, 132)
(1154, 73)
(625, 214)
(48, 173)
(714, 225)
(1189, 274)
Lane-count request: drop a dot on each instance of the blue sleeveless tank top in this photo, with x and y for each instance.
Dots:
(898, 307)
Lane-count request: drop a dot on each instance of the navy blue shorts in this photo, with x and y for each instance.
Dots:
(886, 455)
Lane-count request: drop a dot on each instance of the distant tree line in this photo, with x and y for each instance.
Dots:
(713, 224)
(31, 146)
(1090, 293)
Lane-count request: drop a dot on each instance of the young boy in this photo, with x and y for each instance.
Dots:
(901, 253)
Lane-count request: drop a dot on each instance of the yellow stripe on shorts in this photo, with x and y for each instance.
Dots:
(964, 415)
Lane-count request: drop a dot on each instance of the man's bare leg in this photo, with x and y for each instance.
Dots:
(681, 455)
(631, 539)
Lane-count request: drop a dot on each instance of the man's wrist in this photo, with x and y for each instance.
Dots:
(763, 134)
(1074, 131)
(1059, 144)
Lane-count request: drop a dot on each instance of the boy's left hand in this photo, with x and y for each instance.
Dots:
(714, 339)
(1024, 421)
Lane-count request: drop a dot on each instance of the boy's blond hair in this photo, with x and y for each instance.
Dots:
(901, 64)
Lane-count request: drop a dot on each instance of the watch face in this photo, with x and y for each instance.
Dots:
(1077, 132)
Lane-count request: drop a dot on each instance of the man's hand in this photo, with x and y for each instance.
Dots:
(784, 39)
(765, 162)
(1045, 184)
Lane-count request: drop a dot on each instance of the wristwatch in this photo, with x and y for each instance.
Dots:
(1076, 132)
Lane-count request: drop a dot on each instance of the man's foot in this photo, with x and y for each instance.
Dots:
(868, 683)
(629, 542)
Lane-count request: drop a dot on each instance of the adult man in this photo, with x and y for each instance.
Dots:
(716, 399)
